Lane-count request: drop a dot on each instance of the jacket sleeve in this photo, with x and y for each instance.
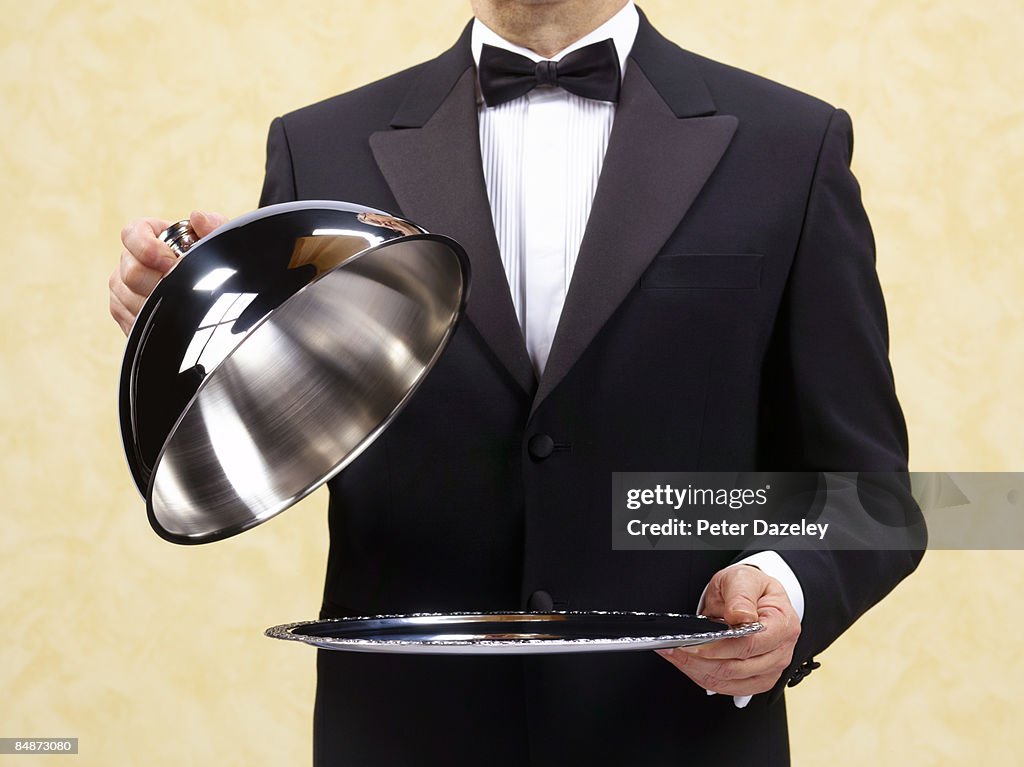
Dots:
(830, 400)
(279, 179)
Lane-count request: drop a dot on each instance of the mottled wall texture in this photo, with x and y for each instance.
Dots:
(152, 654)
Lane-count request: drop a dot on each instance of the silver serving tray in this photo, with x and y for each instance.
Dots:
(510, 633)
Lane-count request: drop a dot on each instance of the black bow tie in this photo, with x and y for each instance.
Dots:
(591, 72)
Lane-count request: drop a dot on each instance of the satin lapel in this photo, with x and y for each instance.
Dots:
(436, 175)
(655, 166)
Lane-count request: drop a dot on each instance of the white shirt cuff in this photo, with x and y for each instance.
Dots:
(771, 564)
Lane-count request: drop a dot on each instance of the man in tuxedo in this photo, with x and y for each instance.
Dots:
(672, 270)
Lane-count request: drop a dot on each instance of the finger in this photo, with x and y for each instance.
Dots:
(730, 676)
(136, 276)
(751, 686)
(741, 647)
(130, 300)
(781, 626)
(707, 671)
(733, 594)
(124, 318)
(204, 222)
(140, 239)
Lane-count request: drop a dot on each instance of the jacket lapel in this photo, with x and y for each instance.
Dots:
(431, 160)
(664, 145)
(666, 133)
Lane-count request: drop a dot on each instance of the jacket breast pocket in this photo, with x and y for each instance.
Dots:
(715, 271)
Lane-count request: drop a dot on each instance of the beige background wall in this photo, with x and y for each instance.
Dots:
(152, 654)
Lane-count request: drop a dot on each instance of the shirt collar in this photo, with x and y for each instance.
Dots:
(621, 28)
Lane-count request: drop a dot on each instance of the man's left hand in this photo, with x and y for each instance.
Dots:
(746, 665)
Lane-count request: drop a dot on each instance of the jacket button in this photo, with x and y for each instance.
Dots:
(540, 602)
(541, 446)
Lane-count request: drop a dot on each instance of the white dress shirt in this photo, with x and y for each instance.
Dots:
(542, 157)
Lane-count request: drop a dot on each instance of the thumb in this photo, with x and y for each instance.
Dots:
(203, 223)
(738, 595)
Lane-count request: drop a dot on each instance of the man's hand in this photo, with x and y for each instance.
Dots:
(751, 664)
(144, 262)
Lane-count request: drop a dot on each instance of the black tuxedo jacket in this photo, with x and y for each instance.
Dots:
(724, 314)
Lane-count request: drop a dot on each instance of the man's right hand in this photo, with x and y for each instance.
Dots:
(144, 262)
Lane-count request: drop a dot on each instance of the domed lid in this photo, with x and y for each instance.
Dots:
(276, 351)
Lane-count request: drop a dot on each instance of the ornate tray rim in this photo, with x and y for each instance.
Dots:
(287, 631)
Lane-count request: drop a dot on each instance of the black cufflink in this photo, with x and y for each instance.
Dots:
(801, 671)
